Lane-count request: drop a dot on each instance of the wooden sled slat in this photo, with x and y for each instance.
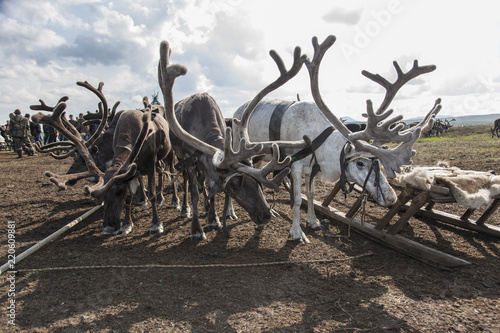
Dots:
(411, 248)
(439, 196)
(445, 217)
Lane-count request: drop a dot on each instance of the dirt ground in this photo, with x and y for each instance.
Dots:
(240, 282)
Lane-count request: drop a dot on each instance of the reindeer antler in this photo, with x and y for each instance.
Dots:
(285, 76)
(403, 78)
(273, 165)
(55, 120)
(58, 120)
(103, 110)
(379, 129)
(224, 159)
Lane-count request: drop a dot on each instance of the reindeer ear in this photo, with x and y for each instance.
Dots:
(348, 148)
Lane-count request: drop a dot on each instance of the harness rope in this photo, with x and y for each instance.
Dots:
(375, 167)
(274, 263)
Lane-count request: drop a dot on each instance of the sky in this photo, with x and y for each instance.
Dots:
(47, 46)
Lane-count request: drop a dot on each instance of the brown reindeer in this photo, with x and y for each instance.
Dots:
(495, 130)
(140, 140)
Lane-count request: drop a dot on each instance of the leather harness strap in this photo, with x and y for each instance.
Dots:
(315, 144)
(275, 122)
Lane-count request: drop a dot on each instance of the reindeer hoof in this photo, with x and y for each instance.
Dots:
(319, 228)
(301, 240)
(216, 227)
(109, 230)
(156, 230)
(198, 238)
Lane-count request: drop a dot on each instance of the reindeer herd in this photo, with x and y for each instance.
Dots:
(269, 143)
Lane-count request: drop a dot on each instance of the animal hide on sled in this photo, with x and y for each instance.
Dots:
(471, 189)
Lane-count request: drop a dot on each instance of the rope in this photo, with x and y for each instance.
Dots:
(275, 263)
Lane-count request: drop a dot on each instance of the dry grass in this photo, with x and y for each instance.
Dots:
(467, 147)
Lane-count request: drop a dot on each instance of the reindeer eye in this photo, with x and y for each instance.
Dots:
(235, 184)
(360, 164)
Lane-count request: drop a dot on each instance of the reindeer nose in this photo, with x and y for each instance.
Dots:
(391, 201)
(263, 217)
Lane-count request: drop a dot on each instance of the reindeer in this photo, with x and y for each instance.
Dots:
(496, 128)
(199, 124)
(138, 143)
(339, 155)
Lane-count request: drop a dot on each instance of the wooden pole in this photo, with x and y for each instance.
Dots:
(49, 238)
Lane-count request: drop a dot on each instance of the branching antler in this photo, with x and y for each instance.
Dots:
(224, 160)
(273, 165)
(103, 110)
(403, 78)
(55, 120)
(379, 129)
(52, 148)
(58, 120)
(285, 76)
(229, 158)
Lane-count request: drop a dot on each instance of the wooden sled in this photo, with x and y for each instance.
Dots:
(438, 194)
(386, 232)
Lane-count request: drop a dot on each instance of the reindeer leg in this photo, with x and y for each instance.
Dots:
(127, 223)
(142, 199)
(161, 179)
(185, 210)
(212, 218)
(156, 224)
(206, 201)
(230, 214)
(312, 220)
(196, 231)
(296, 232)
(175, 197)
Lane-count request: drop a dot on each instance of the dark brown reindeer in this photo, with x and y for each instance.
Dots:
(496, 128)
(201, 129)
(138, 143)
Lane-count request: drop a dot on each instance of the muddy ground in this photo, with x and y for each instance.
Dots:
(240, 282)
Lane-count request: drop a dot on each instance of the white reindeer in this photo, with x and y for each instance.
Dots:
(342, 155)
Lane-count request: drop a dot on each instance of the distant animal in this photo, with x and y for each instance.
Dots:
(336, 153)
(496, 128)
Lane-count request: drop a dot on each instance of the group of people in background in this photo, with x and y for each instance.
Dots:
(21, 134)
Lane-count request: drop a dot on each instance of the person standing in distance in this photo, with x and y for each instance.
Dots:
(19, 129)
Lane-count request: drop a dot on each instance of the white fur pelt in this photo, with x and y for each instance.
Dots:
(471, 189)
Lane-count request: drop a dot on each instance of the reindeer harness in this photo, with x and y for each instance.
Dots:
(344, 161)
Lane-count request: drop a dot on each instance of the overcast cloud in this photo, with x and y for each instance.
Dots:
(47, 46)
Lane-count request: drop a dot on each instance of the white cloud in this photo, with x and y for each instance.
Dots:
(49, 45)
(343, 16)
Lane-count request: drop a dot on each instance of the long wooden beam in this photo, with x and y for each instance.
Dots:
(46, 240)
